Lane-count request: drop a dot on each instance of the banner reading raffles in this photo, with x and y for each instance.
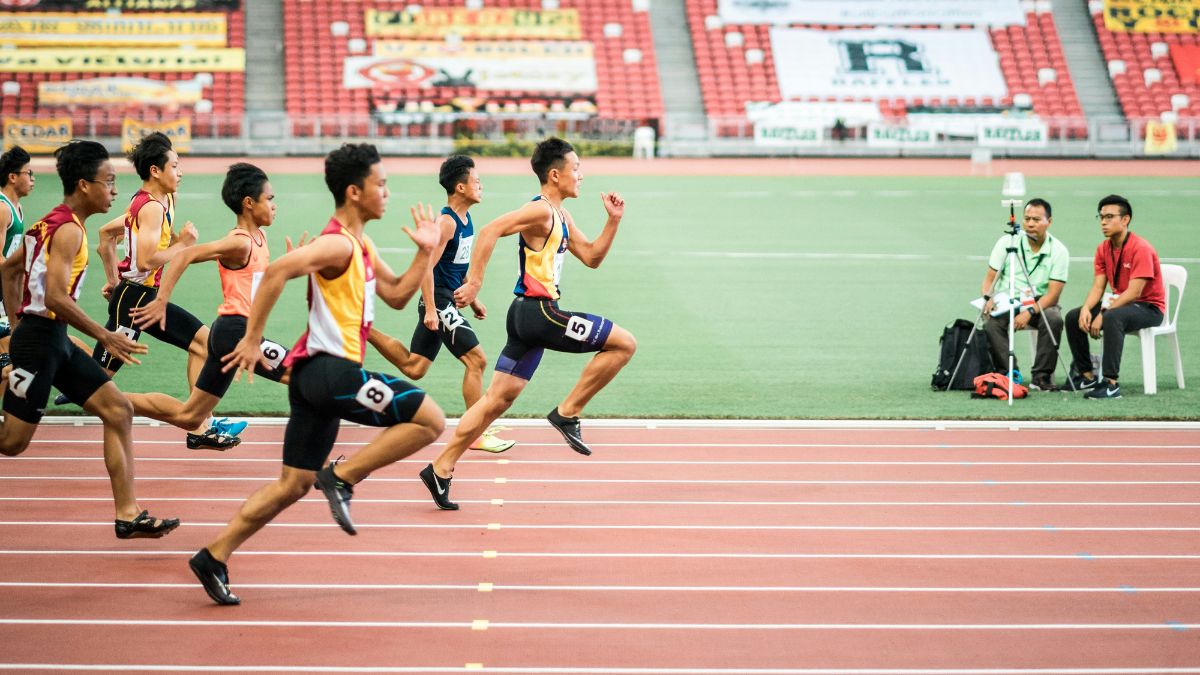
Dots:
(1026, 133)
(79, 60)
(886, 63)
(883, 135)
(873, 12)
(105, 5)
(37, 135)
(491, 23)
(179, 131)
(785, 134)
(1152, 16)
(119, 91)
(521, 66)
(62, 28)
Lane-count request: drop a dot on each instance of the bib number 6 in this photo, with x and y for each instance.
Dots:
(374, 395)
(273, 352)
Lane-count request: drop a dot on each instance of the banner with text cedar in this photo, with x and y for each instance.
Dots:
(179, 131)
(37, 136)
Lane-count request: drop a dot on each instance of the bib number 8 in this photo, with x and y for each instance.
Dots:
(19, 380)
(374, 395)
(273, 352)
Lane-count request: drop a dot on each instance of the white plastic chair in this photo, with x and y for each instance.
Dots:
(1174, 277)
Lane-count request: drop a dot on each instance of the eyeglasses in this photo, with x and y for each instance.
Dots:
(1105, 217)
(110, 183)
(28, 171)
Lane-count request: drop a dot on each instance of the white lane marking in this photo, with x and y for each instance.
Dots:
(964, 463)
(259, 479)
(639, 555)
(622, 502)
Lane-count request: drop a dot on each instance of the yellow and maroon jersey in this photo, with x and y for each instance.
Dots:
(540, 270)
(340, 310)
(239, 285)
(129, 266)
(38, 240)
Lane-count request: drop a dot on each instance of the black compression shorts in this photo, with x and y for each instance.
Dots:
(42, 357)
(453, 329)
(223, 336)
(181, 325)
(537, 324)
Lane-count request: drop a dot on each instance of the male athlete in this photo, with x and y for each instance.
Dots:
(439, 321)
(16, 182)
(535, 322)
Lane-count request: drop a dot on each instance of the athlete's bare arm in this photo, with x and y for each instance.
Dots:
(397, 290)
(532, 220)
(233, 250)
(592, 253)
(151, 220)
(446, 227)
(12, 278)
(110, 233)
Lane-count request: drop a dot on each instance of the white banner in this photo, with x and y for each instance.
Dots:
(886, 63)
(892, 136)
(788, 134)
(873, 12)
(1026, 133)
(508, 65)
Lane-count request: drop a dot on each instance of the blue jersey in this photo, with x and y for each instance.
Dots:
(451, 268)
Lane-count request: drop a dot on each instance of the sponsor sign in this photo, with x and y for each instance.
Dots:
(1160, 138)
(105, 5)
(119, 91)
(45, 135)
(491, 23)
(62, 28)
(521, 66)
(1027, 133)
(886, 63)
(881, 135)
(788, 134)
(873, 12)
(179, 131)
(113, 60)
(1187, 62)
(1152, 16)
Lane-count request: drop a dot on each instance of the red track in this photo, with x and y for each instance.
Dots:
(671, 550)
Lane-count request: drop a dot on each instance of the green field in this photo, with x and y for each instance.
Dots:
(782, 297)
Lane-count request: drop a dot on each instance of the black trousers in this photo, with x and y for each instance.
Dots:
(1117, 322)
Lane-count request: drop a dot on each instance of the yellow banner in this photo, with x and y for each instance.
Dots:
(1152, 16)
(119, 91)
(139, 30)
(1160, 138)
(492, 23)
(111, 60)
(179, 131)
(44, 135)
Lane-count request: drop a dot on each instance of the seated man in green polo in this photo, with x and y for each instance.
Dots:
(1046, 259)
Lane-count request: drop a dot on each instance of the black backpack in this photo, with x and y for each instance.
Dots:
(976, 359)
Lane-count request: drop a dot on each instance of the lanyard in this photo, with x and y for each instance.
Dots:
(1040, 258)
(1117, 267)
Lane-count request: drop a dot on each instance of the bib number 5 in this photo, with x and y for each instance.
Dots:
(374, 395)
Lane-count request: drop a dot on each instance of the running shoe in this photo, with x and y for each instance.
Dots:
(1081, 382)
(439, 488)
(339, 494)
(1103, 391)
(569, 428)
(211, 440)
(229, 427)
(145, 526)
(61, 399)
(489, 442)
(214, 576)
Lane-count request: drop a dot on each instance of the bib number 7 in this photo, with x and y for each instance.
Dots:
(374, 395)
(19, 380)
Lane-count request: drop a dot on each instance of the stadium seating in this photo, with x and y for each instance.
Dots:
(729, 79)
(314, 56)
(226, 94)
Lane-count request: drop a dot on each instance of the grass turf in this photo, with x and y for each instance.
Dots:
(750, 297)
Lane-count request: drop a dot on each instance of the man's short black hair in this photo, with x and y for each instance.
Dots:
(241, 181)
(349, 165)
(549, 154)
(1038, 201)
(150, 152)
(78, 160)
(11, 162)
(456, 169)
(1118, 201)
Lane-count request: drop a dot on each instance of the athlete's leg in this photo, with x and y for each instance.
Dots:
(197, 353)
(15, 435)
(260, 508)
(185, 415)
(414, 366)
(474, 363)
(604, 366)
(499, 397)
(395, 443)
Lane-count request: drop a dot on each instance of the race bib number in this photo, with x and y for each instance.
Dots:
(1108, 300)
(1027, 299)
(450, 317)
(579, 328)
(254, 281)
(19, 380)
(369, 302)
(464, 250)
(128, 332)
(374, 395)
(273, 352)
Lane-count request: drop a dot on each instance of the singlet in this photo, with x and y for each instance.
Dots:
(128, 267)
(238, 286)
(16, 227)
(340, 310)
(38, 239)
(451, 268)
(539, 271)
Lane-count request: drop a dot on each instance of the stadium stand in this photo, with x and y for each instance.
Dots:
(319, 36)
(736, 66)
(219, 113)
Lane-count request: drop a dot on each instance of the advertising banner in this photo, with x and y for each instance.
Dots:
(115, 60)
(1187, 62)
(1160, 138)
(873, 12)
(886, 63)
(1152, 16)
(179, 131)
(881, 135)
(1026, 133)
(44, 135)
(782, 134)
(140, 30)
(568, 67)
(119, 91)
(491, 23)
(123, 5)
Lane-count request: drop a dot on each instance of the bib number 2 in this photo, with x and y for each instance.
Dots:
(374, 395)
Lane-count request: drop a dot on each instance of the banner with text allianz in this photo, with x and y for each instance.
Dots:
(886, 63)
